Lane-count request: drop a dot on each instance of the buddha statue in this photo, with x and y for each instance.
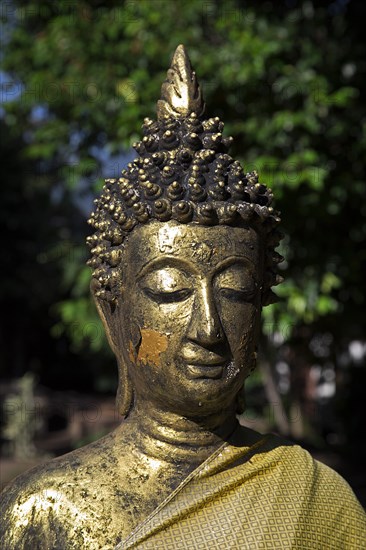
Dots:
(183, 257)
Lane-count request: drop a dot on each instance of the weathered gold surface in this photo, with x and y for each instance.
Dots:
(183, 258)
(180, 93)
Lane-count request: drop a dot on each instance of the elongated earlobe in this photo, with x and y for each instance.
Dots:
(109, 315)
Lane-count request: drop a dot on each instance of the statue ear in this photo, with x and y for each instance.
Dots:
(107, 313)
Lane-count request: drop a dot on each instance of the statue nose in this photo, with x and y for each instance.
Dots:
(205, 327)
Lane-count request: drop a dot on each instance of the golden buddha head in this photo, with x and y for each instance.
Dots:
(184, 258)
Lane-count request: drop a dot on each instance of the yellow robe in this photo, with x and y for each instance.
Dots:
(270, 495)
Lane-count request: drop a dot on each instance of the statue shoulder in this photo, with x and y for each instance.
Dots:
(326, 498)
(46, 506)
(26, 506)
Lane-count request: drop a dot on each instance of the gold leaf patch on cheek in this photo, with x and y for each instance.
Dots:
(153, 343)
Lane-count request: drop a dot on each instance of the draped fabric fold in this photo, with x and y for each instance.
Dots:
(266, 494)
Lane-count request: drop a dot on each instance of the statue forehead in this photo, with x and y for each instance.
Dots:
(208, 245)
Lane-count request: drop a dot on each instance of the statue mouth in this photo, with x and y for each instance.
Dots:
(205, 370)
(202, 363)
(203, 356)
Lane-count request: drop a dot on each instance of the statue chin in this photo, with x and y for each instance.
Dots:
(183, 257)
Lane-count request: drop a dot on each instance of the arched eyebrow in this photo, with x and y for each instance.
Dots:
(166, 261)
(233, 260)
(189, 269)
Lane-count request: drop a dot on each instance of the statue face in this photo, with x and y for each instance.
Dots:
(189, 313)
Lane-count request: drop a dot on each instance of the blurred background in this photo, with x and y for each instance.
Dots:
(76, 79)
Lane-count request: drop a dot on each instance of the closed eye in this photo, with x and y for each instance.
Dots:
(238, 295)
(162, 297)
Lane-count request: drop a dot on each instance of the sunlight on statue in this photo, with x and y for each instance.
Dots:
(183, 257)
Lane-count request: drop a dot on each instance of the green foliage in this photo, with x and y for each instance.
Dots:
(288, 81)
(79, 320)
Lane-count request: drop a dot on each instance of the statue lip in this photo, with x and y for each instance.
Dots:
(205, 371)
(206, 361)
(203, 357)
(201, 363)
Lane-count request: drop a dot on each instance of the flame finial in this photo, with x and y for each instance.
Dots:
(180, 93)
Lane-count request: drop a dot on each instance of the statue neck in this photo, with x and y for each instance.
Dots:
(174, 438)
